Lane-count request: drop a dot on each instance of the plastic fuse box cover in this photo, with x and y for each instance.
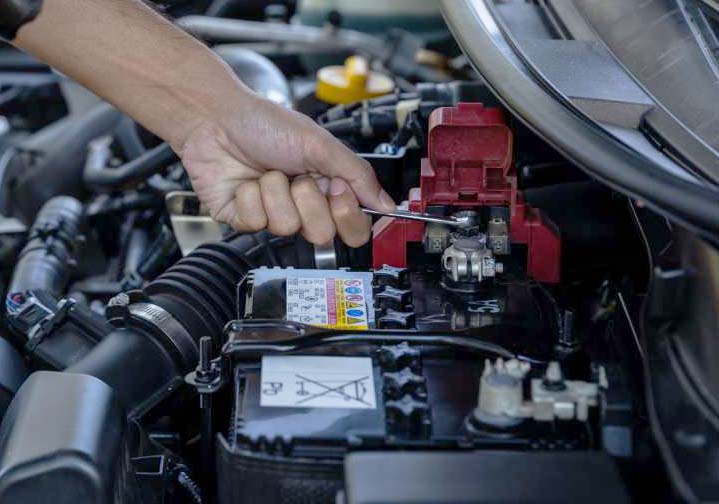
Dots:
(334, 299)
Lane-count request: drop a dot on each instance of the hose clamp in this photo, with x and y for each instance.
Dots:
(168, 325)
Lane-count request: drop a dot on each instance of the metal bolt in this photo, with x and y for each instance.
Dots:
(566, 336)
(121, 299)
(553, 379)
(205, 354)
(554, 372)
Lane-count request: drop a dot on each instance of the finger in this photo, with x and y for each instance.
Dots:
(282, 216)
(323, 183)
(331, 158)
(353, 226)
(317, 224)
(250, 215)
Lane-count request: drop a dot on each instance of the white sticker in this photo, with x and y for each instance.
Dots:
(300, 381)
(307, 301)
(338, 303)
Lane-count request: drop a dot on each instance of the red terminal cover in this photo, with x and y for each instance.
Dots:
(470, 158)
(470, 164)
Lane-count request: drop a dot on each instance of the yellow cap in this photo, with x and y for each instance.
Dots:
(351, 83)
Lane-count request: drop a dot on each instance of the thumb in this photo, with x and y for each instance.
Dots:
(328, 156)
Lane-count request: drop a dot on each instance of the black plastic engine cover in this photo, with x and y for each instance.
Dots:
(482, 477)
(61, 442)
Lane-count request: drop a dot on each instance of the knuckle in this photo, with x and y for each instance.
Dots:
(217, 215)
(285, 227)
(240, 225)
(303, 188)
(315, 146)
(251, 215)
(246, 190)
(319, 237)
(365, 173)
(342, 212)
(358, 239)
(256, 222)
(250, 224)
(358, 235)
(273, 177)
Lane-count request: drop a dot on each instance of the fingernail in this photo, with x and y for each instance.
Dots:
(337, 186)
(387, 201)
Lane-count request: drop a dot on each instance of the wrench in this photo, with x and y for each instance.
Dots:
(460, 222)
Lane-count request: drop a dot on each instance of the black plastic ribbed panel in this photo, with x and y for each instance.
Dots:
(200, 289)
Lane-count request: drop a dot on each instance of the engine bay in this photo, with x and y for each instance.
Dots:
(152, 355)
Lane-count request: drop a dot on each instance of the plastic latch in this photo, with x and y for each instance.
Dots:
(45, 326)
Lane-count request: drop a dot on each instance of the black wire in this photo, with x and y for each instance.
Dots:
(303, 337)
(558, 322)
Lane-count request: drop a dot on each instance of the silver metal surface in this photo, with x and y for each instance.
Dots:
(326, 256)
(469, 260)
(459, 222)
(498, 236)
(257, 72)
(436, 238)
(190, 221)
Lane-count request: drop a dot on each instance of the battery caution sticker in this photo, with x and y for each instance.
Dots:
(336, 303)
(304, 381)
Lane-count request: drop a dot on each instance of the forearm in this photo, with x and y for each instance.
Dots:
(135, 59)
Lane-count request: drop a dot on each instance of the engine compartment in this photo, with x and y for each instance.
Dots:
(173, 360)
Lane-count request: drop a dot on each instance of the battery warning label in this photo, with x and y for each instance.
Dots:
(308, 381)
(337, 303)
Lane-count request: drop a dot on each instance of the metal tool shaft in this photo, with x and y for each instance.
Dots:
(405, 214)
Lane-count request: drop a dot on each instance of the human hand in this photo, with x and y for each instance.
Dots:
(262, 166)
(253, 164)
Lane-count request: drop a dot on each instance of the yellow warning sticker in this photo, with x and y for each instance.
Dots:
(337, 303)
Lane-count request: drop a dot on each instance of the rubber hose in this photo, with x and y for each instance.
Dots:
(59, 153)
(44, 263)
(147, 164)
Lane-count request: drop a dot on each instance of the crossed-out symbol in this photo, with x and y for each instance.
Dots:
(359, 390)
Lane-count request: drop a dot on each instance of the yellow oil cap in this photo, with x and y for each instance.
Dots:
(351, 83)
